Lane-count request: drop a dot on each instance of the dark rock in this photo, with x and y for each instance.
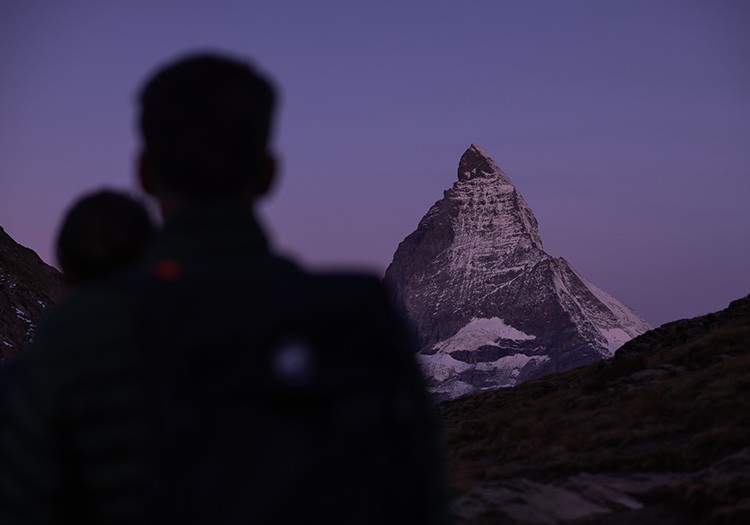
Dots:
(28, 287)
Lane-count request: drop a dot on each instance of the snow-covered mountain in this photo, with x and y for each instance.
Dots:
(488, 306)
(27, 287)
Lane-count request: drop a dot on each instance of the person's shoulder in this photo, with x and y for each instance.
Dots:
(349, 284)
(354, 298)
(90, 298)
(359, 280)
(84, 314)
(357, 305)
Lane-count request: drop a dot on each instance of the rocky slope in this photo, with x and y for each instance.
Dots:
(27, 287)
(489, 307)
(658, 434)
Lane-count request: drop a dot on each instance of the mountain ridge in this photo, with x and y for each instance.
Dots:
(28, 286)
(477, 255)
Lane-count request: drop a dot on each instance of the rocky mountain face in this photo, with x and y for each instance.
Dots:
(658, 434)
(27, 287)
(489, 307)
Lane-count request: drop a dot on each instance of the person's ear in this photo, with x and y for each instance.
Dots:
(146, 176)
(267, 176)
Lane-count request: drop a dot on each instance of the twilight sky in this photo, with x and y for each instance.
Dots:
(625, 124)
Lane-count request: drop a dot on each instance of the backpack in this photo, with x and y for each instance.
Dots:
(275, 396)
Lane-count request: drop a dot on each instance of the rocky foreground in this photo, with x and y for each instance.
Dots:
(660, 434)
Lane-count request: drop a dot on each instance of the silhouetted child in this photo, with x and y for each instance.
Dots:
(102, 232)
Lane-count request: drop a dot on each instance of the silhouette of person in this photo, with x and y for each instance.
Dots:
(101, 233)
(219, 382)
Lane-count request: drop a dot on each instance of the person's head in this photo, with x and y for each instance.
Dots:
(205, 123)
(102, 232)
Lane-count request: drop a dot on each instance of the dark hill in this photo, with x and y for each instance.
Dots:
(27, 287)
(658, 434)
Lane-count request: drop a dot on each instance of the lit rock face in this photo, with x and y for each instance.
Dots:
(488, 306)
(28, 286)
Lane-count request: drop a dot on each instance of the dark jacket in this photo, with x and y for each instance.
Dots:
(218, 383)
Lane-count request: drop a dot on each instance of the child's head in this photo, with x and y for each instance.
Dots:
(102, 232)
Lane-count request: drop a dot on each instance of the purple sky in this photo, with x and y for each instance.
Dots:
(625, 124)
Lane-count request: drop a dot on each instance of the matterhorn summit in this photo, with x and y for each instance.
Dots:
(488, 306)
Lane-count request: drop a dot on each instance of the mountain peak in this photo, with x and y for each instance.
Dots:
(495, 210)
(489, 307)
(476, 163)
